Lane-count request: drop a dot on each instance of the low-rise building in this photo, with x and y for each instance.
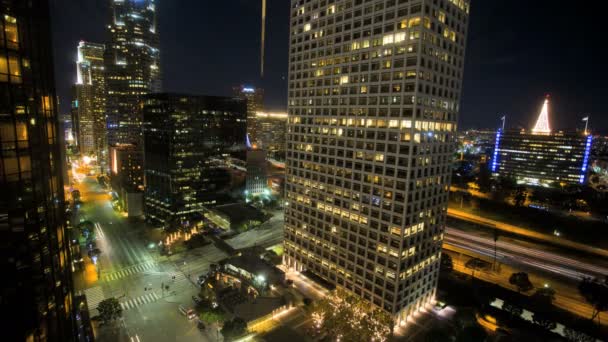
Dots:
(235, 216)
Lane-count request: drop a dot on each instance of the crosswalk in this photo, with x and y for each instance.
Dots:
(141, 300)
(94, 297)
(125, 272)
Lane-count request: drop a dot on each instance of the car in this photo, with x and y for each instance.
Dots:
(197, 300)
(189, 313)
(440, 305)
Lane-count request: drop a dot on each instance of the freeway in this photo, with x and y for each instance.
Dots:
(511, 253)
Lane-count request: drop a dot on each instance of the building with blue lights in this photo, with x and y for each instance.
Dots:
(255, 103)
(541, 157)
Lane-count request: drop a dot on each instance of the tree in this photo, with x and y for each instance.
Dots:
(544, 297)
(512, 309)
(595, 293)
(484, 178)
(109, 310)
(447, 265)
(212, 316)
(234, 328)
(521, 281)
(576, 336)
(344, 316)
(520, 196)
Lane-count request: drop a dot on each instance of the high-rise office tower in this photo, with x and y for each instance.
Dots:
(256, 182)
(374, 90)
(89, 102)
(183, 135)
(271, 131)
(36, 287)
(255, 103)
(132, 63)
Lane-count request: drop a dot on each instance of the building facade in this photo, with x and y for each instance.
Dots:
(255, 103)
(541, 157)
(373, 102)
(183, 136)
(89, 102)
(550, 160)
(256, 181)
(271, 131)
(132, 63)
(34, 245)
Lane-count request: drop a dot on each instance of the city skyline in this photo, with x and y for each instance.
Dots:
(505, 74)
(307, 177)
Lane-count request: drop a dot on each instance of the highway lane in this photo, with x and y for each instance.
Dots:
(510, 253)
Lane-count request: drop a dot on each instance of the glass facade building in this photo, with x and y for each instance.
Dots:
(255, 103)
(373, 102)
(89, 102)
(34, 247)
(551, 160)
(272, 131)
(184, 135)
(132, 63)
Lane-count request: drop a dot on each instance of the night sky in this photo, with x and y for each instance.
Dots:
(517, 52)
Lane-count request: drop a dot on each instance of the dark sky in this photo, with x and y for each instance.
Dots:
(518, 51)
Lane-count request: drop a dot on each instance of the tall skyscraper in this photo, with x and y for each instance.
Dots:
(89, 102)
(542, 157)
(35, 263)
(132, 63)
(374, 91)
(271, 131)
(183, 135)
(255, 103)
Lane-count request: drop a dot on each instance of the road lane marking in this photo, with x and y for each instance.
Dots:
(133, 303)
(128, 271)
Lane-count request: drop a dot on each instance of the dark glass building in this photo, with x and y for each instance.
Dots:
(184, 138)
(132, 63)
(34, 250)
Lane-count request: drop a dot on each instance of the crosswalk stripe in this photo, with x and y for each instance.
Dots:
(139, 301)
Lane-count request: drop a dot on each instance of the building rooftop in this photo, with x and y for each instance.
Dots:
(256, 266)
(239, 212)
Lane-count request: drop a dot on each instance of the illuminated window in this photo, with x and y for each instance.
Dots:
(10, 32)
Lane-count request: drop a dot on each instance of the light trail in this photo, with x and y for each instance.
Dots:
(509, 252)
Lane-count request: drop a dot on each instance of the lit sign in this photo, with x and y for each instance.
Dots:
(248, 90)
(586, 159)
(496, 147)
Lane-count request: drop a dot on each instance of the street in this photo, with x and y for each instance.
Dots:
(131, 269)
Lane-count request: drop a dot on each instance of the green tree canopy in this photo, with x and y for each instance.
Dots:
(109, 309)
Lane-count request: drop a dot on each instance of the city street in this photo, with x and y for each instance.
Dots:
(130, 269)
